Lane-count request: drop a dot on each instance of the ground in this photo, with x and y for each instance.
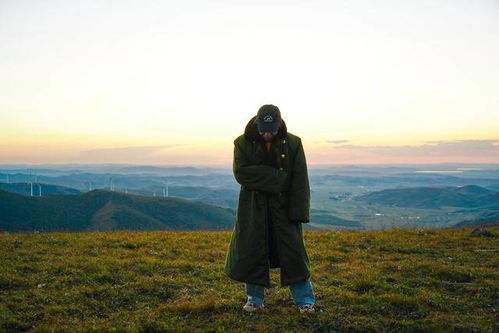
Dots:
(400, 280)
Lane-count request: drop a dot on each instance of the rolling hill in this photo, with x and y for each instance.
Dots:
(213, 196)
(434, 197)
(486, 219)
(45, 189)
(107, 210)
(328, 221)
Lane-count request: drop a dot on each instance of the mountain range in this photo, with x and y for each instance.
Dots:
(107, 210)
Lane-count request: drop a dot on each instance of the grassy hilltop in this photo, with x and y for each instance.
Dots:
(406, 280)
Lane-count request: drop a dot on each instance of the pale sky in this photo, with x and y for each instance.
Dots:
(174, 82)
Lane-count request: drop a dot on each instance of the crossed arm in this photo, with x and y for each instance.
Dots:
(257, 177)
(269, 179)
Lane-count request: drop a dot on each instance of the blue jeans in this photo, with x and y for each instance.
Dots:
(301, 292)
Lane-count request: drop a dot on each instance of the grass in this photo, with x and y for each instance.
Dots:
(401, 280)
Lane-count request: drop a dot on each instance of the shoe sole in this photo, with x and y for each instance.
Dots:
(307, 310)
(248, 309)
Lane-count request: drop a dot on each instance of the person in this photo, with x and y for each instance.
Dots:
(274, 201)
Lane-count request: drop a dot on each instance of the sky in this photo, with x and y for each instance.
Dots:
(175, 82)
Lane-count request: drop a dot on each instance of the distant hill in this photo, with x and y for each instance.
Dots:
(219, 197)
(372, 179)
(487, 219)
(213, 196)
(327, 221)
(107, 210)
(434, 197)
(45, 189)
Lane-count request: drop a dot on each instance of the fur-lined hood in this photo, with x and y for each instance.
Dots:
(251, 131)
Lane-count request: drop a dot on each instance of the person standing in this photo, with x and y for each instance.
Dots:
(274, 201)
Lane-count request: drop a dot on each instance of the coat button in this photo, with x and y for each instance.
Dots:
(283, 155)
(283, 141)
(281, 169)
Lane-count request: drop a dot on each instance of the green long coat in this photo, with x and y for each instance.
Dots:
(274, 201)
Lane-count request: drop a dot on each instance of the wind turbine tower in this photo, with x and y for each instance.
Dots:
(111, 184)
(166, 189)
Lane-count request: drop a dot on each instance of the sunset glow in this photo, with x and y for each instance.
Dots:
(175, 82)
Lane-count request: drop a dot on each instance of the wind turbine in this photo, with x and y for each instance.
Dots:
(30, 179)
(36, 183)
(166, 189)
(111, 185)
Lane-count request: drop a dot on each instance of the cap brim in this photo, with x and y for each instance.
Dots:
(267, 127)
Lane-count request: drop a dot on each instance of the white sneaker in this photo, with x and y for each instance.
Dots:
(251, 307)
(307, 308)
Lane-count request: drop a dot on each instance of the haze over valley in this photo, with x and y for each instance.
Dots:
(116, 197)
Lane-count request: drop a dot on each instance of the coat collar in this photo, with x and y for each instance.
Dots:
(251, 131)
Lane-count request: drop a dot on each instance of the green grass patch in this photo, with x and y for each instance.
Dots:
(401, 280)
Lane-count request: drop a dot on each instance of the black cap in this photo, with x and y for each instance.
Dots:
(268, 118)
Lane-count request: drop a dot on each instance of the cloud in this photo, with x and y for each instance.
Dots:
(337, 141)
(125, 153)
(451, 151)
(462, 145)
